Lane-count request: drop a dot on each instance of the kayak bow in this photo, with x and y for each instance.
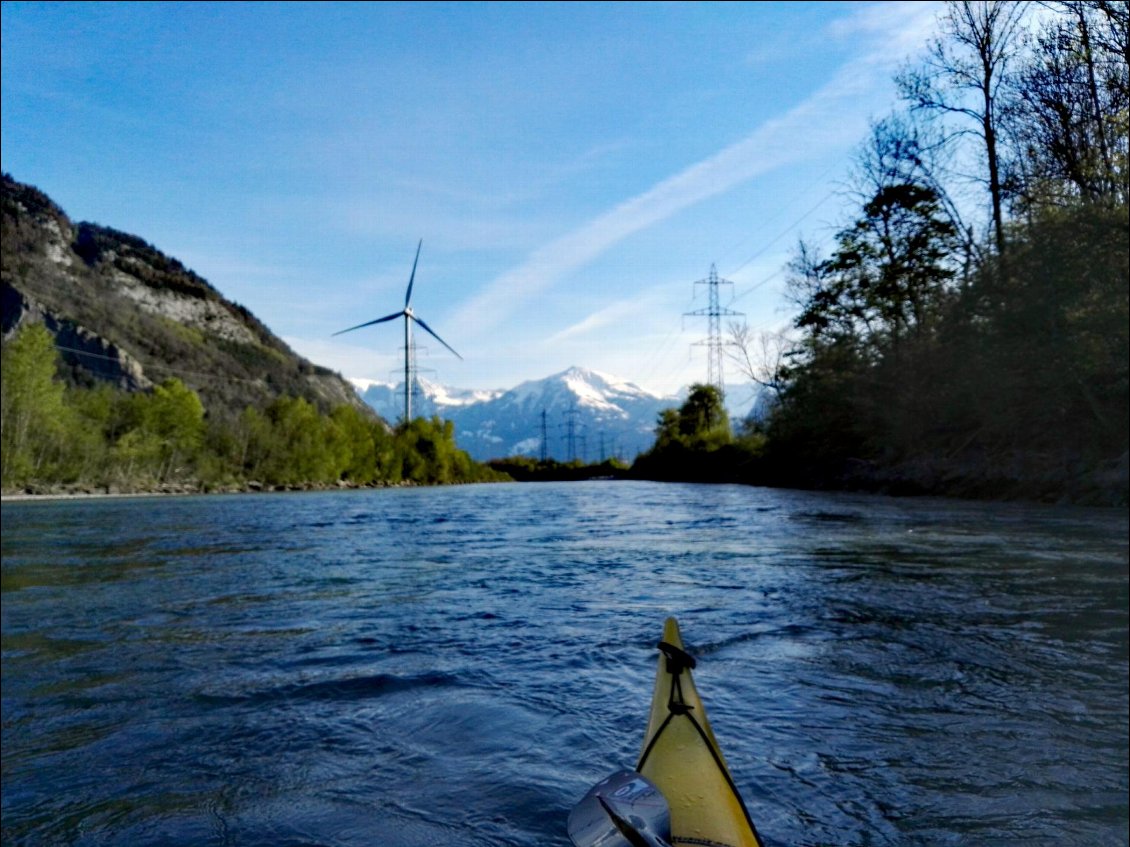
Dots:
(681, 793)
(682, 757)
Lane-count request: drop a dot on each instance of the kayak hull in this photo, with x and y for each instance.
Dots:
(681, 756)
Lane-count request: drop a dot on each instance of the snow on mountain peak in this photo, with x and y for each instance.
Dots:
(577, 413)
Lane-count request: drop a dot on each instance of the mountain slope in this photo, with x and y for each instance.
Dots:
(610, 416)
(588, 415)
(122, 311)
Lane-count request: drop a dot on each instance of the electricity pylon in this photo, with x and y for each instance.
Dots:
(713, 342)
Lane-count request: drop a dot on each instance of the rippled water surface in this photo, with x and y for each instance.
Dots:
(456, 666)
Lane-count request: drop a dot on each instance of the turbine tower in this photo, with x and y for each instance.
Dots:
(409, 349)
(713, 342)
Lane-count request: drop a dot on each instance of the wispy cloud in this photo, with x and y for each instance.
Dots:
(614, 313)
(830, 119)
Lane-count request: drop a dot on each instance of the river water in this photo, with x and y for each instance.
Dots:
(456, 666)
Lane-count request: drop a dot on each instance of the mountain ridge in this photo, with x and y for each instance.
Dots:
(121, 311)
(611, 416)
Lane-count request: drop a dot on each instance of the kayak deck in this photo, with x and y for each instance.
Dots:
(682, 757)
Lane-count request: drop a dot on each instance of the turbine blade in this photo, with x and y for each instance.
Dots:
(411, 279)
(432, 333)
(370, 323)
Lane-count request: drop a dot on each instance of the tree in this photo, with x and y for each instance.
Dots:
(425, 453)
(694, 442)
(32, 411)
(100, 417)
(174, 415)
(966, 75)
(702, 417)
(667, 428)
(760, 357)
(1069, 106)
(893, 263)
(303, 446)
(827, 410)
(357, 432)
(1056, 339)
(700, 423)
(888, 275)
(825, 311)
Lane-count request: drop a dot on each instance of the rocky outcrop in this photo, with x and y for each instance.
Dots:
(79, 348)
(124, 312)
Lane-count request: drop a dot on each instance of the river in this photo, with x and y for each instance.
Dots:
(456, 666)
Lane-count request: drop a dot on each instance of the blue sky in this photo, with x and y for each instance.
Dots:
(572, 168)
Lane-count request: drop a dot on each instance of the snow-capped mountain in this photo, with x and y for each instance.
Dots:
(430, 399)
(579, 414)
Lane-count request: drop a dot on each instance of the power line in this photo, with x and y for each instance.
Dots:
(151, 365)
(665, 344)
(785, 231)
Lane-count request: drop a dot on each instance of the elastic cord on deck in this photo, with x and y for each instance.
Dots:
(678, 661)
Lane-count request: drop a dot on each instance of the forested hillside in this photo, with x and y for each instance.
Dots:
(968, 332)
(123, 311)
(125, 371)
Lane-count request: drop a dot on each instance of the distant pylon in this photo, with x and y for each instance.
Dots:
(544, 440)
(571, 433)
(713, 342)
(416, 394)
(412, 390)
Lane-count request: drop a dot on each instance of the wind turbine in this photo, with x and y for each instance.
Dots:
(409, 316)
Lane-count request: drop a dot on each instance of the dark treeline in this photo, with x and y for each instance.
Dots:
(64, 437)
(528, 469)
(696, 442)
(968, 332)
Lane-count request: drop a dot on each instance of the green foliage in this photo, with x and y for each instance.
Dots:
(695, 442)
(298, 445)
(174, 416)
(424, 452)
(702, 418)
(363, 440)
(55, 435)
(1054, 334)
(700, 423)
(935, 359)
(32, 413)
(528, 469)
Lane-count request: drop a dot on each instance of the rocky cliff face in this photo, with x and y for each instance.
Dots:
(123, 312)
(90, 353)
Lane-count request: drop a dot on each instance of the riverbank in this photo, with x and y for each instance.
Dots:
(1022, 477)
(1019, 477)
(89, 492)
(1025, 478)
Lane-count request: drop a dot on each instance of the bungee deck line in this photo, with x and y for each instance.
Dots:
(678, 661)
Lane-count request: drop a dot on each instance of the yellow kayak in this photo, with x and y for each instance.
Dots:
(682, 758)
